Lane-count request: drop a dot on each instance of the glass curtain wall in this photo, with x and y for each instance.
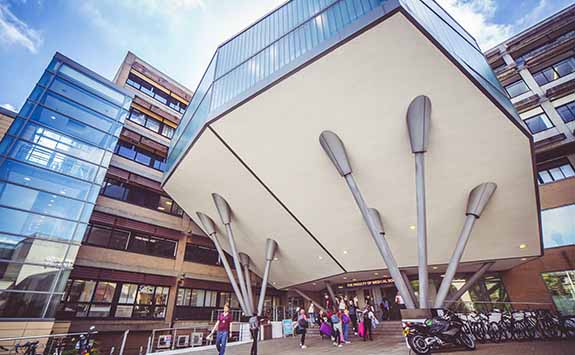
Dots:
(53, 160)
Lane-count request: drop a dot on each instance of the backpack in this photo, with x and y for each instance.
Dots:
(334, 319)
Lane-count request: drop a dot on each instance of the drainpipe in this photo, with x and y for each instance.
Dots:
(210, 229)
(271, 247)
(225, 216)
(418, 119)
(336, 152)
(478, 199)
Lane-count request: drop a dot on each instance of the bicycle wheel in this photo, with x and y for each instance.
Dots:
(494, 332)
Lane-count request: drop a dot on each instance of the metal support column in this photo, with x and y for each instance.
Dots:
(308, 298)
(472, 280)
(271, 246)
(331, 293)
(245, 261)
(408, 284)
(335, 150)
(418, 119)
(225, 215)
(210, 229)
(478, 199)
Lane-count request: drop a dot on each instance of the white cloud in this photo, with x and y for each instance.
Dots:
(14, 31)
(477, 17)
(9, 107)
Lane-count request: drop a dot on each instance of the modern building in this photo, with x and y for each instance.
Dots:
(309, 69)
(6, 118)
(537, 69)
(101, 181)
(53, 160)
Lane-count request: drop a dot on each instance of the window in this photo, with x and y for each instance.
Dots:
(138, 196)
(538, 123)
(130, 151)
(204, 255)
(562, 289)
(556, 71)
(567, 112)
(183, 298)
(151, 123)
(558, 226)
(206, 298)
(563, 170)
(99, 299)
(152, 91)
(517, 88)
(134, 242)
(89, 298)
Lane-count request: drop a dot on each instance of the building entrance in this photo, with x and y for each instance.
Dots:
(380, 293)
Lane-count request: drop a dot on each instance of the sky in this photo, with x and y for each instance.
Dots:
(179, 37)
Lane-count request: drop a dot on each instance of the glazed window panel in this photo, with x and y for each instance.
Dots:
(145, 295)
(183, 297)
(538, 123)
(563, 170)
(567, 112)
(558, 225)
(104, 292)
(517, 88)
(81, 291)
(128, 293)
(561, 286)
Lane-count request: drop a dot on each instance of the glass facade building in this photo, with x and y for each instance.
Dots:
(300, 30)
(53, 160)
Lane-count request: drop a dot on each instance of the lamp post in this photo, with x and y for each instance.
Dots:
(418, 119)
(336, 152)
(478, 199)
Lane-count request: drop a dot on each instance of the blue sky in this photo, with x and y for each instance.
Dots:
(179, 36)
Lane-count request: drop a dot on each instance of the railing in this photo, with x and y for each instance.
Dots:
(236, 315)
(51, 344)
(166, 339)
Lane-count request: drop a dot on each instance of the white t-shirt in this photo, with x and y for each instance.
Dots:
(399, 299)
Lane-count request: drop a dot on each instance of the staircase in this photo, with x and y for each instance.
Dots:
(391, 330)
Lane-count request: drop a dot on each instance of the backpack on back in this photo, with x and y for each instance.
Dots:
(334, 319)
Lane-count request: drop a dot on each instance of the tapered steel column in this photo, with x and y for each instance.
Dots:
(331, 293)
(210, 229)
(245, 261)
(472, 280)
(400, 282)
(271, 247)
(409, 287)
(299, 292)
(225, 215)
(418, 119)
(335, 150)
(478, 199)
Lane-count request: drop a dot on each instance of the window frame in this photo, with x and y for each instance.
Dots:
(132, 152)
(536, 116)
(569, 106)
(161, 125)
(129, 241)
(553, 68)
(561, 165)
(516, 83)
(154, 92)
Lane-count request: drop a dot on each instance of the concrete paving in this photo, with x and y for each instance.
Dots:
(391, 346)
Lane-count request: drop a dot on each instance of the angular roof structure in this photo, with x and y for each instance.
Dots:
(251, 135)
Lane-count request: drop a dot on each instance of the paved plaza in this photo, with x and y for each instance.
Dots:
(391, 346)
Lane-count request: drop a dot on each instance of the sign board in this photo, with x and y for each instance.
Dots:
(287, 325)
(384, 281)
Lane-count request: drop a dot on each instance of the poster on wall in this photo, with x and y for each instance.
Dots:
(287, 325)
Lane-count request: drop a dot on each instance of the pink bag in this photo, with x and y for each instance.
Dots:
(360, 329)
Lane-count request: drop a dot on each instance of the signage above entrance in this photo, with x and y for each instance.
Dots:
(384, 281)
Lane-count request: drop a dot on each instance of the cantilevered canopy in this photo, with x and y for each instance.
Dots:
(264, 156)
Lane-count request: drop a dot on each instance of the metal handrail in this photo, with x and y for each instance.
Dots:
(47, 336)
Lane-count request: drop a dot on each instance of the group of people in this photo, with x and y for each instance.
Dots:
(338, 318)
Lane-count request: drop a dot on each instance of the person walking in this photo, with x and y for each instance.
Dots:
(302, 327)
(254, 323)
(223, 330)
(353, 316)
(367, 326)
(385, 308)
(345, 320)
(337, 328)
(311, 313)
(341, 305)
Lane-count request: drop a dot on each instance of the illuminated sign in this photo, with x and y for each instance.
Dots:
(367, 283)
